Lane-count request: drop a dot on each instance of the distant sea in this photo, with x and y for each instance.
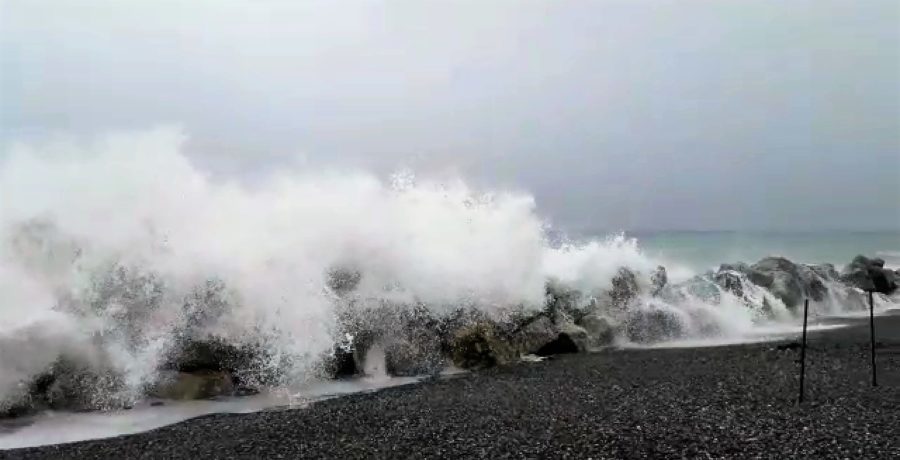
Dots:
(703, 250)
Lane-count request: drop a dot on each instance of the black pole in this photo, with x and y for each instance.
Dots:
(803, 349)
(872, 336)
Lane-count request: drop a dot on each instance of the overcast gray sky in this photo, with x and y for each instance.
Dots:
(615, 114)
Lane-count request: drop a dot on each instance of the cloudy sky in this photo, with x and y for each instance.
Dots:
(615, 114)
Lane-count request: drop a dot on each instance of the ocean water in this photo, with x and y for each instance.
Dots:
(700, 250)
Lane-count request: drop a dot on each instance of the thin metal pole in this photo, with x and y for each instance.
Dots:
(803, 349)
(872, 336)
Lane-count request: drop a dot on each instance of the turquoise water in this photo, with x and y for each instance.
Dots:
(705, 250)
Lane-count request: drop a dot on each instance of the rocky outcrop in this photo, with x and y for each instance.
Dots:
(870, 275)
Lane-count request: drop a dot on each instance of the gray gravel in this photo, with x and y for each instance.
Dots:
(735, 401)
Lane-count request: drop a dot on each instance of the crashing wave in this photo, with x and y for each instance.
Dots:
(121, 263)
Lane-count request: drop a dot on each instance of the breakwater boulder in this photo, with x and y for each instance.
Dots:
(870, 275)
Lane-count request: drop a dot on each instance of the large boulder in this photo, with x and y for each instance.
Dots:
(651, 325)
(413, 340)
(210, 354)
(813, 278)
(570, 339)
(658, 280)
(72, 384)
(194, 385)
(758, 277)
(563, 300)
(600, 331)
(698, 287)
(870, 275)
(481, 345)
(786, 281)
(730, 281)
(342, 280)
(535, 332)
(624, 291)
(825, 271)
(404, 356)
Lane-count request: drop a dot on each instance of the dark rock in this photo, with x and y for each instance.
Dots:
(343, 363)
(813, 277)
(653, 325)
(859, 278)
(788, 346)
(534, 333)
(343, 280)
(413, 340)
(563, 344)
(739, 267)
(599, 331)
(624, 289)
(407, 358)
(71, 384)
(562, 299)
(479, 345)
(787, 283)
(870, 275)
(659, 279)
(701, 287)
(194, 385)
(731, 282)
(825, 271)
(757, 277)
(211, 354)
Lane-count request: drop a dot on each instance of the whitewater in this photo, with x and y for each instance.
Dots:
(115, 252)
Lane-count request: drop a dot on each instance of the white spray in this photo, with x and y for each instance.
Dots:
(103, 247)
